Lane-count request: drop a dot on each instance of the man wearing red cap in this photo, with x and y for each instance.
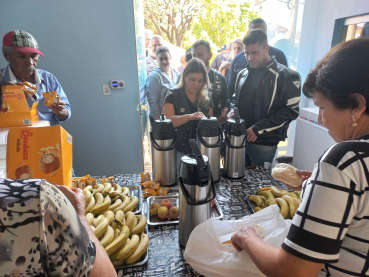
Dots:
(20, 50)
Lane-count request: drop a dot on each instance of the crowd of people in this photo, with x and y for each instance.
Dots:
(43, 228)
(248, 74)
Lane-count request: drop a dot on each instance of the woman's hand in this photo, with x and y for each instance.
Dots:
(196, 116)
(305, 175)
(76, 197)
(239, 239)
(230, 114)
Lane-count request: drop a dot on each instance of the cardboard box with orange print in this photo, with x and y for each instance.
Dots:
(43, 152)
(15, 110)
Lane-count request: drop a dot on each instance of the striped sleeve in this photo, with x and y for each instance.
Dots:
(329, 205)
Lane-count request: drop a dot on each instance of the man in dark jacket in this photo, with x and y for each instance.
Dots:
(239, 62)
(267, 97)
(218, 91)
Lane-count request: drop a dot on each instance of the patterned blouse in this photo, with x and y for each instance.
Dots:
(40, 232)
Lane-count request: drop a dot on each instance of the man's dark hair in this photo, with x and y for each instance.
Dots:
(202, 42)
(257, 36)
(162, 49)
(188, 56)
(342, 72)
(257, 21)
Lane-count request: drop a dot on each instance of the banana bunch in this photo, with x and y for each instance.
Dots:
(121, 232)
(103, 197)
(288, 202)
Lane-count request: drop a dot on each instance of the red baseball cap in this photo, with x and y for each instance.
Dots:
(22, 42)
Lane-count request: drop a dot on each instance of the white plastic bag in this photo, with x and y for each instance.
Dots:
(209, 257)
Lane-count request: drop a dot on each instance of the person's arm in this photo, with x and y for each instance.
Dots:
(224, 102)
(211, 112)
(153, 88)
(270, 260)
(62, 111)
(102, 266)
(179, 120)
(290, 92)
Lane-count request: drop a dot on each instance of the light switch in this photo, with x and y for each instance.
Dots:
(106, 89)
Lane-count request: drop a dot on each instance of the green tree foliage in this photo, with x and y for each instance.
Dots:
(221, 21)
(171, 18)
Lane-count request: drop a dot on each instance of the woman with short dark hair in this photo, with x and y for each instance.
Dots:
(329, 234)
(160, 80)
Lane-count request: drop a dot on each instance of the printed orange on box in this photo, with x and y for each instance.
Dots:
(15, 111)
(40, 152)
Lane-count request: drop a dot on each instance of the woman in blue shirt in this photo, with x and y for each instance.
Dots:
(160, 80)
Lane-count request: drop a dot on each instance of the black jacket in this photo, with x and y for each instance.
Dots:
(185, 131)
(218, 92)
(277, 101)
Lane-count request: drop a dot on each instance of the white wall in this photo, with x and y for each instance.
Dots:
(87, 43)
(317, 31)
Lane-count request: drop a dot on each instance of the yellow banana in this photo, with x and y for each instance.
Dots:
(276, 192)
(119, 241)
(131, 206)
(97, 220)
(117, 203)
(283, 207)
(97, 186)
(140, 250)
(115, 254)
(124, 204)
(119, 216)
(130, 220)
(89, 188)
(104, 205)
(298, 193)
(109, 215)
(108, 237)
(135, 222)
(298, 201)
(107, 187)
(270, 201)
(116, 233)
(129, 248)
(125, 191)
(267, 194)
(101, 228)
(257, 200)
(91, 205)
(87, 194)
(291, 203)
(90, 218)
(99, 198)
(92, 227)
(118, 189)
(140, 227)
(293, 195)
(256, 209)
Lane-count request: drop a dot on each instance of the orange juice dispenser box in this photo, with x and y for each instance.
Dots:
(15, 110)
(40, 152)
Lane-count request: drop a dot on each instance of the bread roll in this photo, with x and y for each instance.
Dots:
(286, 173)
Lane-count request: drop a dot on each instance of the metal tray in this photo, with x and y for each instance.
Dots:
(142, 260)
(135, 190)
(155, 220)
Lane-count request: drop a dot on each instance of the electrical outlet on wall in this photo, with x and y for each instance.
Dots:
(106, 89)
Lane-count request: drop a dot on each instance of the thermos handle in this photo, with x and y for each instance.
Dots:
(187, 196)
(232, 146)
(236, 115)
(158, 148)
(203, 142)
(202, 167)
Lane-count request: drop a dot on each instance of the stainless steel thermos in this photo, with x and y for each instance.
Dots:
(164, 156)
(235, 142)
(209, 140)
(196, 191)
